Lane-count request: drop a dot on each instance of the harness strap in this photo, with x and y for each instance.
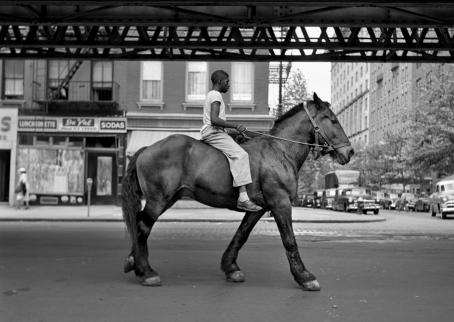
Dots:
(324, 148)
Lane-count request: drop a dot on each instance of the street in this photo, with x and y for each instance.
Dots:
(396, 270)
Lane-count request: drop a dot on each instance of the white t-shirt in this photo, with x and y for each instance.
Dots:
(212, 96)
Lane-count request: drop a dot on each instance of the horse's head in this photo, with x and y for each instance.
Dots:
(331, 132)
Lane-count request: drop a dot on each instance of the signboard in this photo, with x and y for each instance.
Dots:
(72, 124)
(8, 127)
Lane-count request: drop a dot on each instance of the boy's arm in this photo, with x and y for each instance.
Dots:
(216, 121)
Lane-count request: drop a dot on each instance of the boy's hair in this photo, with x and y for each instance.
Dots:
(218, 75)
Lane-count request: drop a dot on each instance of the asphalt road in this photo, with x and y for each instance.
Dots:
(398, 270)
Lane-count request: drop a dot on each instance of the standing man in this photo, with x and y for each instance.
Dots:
(213, 132)
(22, 197)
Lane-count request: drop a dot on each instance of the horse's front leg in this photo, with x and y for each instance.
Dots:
(231, 269)
(283, 216)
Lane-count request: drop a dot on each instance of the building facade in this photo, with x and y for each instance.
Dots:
(167, 97)
(78, 120)
(350, 99)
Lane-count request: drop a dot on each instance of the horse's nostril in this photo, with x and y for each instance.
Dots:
(351, 152)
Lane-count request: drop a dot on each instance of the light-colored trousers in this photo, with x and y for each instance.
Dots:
(237, 157)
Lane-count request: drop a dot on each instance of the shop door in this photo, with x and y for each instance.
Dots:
(5, 156)
(102, 168)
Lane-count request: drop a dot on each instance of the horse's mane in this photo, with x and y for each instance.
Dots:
(294, 110)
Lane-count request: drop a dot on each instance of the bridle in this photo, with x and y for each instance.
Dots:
(317, 148)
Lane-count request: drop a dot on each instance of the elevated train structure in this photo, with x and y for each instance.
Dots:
(320, 30)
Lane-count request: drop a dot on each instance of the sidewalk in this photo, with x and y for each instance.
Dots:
(182, 211)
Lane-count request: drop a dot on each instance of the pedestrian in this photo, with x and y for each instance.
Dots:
(22, 190)
(214, 133)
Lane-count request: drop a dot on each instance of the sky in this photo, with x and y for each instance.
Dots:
(318, 77)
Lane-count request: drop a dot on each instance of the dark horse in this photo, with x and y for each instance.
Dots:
(180, 166)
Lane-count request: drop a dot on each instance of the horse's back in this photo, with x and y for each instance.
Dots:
(181, 162)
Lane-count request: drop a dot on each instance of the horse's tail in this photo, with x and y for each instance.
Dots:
(131, 195)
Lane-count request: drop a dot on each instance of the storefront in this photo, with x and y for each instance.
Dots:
(61, 153)
(8, 139)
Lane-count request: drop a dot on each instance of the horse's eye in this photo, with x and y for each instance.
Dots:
(334, 121)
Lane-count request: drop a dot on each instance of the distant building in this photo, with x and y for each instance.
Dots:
(395, 88)
(350, 99)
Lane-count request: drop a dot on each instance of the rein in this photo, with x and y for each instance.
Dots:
(288, 140)
(320, 148)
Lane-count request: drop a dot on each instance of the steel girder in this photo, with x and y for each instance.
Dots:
(211, 30)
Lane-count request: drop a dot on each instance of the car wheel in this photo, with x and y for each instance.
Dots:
(443, 215)
(364, 212)
(376, 212)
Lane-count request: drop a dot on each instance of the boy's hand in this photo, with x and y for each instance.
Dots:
(240, 128)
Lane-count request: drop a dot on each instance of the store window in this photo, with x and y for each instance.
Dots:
(151, 85)
(13, 79)
(196, 81)
(102, 81)
(242, 81)
(53, 169)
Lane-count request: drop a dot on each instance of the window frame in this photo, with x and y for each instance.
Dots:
(186, 86)
(4, 80)
(232, 84)
(161, 79)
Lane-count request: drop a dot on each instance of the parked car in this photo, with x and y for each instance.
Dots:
(319, 197)
(442, 200)
(406, 202)
(422, 203)
(393, 197)
(355, 199)
(330, 195)
(304, 200)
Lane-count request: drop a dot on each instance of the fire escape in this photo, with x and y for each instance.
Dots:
(72, 96)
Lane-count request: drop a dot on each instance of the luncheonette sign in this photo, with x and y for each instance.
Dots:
(72, 124)
(8, 127)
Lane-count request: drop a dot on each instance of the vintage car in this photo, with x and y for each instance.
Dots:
(406, 202)
(422, 203)
(442, 200)
(355, 199)
(319, 197)
(330, 195)
(393, 197)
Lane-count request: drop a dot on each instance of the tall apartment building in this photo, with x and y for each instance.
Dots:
(66, 121)
(350, 99)
(395, 87)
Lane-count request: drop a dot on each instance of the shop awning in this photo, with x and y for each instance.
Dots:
(138, 139)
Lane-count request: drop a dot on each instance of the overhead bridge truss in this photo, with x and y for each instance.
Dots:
(259, 31)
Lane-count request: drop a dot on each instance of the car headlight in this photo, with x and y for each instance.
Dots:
(360, 199)
(444, 199)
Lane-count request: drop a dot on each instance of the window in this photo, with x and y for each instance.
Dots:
(151, 81)
(242, 80)
(196, 81)
(13, 79)
(58, 71)
(102, 80)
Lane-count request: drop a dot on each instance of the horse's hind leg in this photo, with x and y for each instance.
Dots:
(228, 263)
(138, 258)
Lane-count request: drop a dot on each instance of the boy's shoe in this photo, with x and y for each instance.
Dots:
(247, 205)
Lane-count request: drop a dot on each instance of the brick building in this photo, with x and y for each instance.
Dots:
(79, 119)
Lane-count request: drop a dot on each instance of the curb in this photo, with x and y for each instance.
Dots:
(333, 221)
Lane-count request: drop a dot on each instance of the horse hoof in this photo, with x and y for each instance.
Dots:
(311, 286)
(151, 281)
(236, 277)
(128, 264)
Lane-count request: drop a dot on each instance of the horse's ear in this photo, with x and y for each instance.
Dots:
(316, 99)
